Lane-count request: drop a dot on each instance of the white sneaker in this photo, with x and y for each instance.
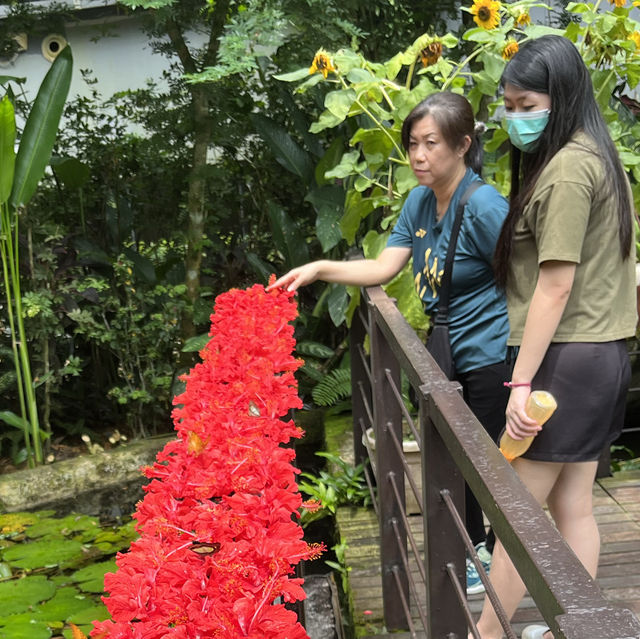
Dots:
(534, 632)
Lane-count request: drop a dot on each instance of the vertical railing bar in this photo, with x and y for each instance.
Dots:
(462, 597)
(412, 583)
(410, 536)
(405, 603)
(365, 361)
(403, 408)
(363, 318)
(365, 402)
(407, 471)
(491, 593)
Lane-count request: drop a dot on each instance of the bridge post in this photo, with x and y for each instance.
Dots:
(388, 417)
(443, 545)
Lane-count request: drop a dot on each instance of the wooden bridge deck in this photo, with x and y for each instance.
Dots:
(617, 508)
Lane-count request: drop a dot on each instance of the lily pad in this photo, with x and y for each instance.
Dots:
(45, 553)
(14, 523)
(20, 595)
(23, 627)
(84, 619)
(91, 578)
(65, 603)
(65, 526)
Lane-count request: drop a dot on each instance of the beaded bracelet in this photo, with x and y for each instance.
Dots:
(515, 385)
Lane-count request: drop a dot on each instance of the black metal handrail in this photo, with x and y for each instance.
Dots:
(454, 448)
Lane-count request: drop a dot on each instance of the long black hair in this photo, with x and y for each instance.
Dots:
(454, 116)
(552, 65)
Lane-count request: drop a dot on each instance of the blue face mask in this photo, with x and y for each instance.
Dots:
(525, 129)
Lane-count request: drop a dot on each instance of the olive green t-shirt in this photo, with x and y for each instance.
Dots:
(571, 217)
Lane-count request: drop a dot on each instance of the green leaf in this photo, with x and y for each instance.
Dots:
(7, 151)
(327, 120)
(316, 349)
(328, 228)
(20, 594)
(71, 172)
(23, 627)
(196, 344)
(91, 578)
(337, 303)
(38, 554)
(360, 75)
(11, 78)
(286, 151)
(328, 202)
(356, 208)
(330, 158)
(339, 102)
(67, 601)
(14, 420)
(287, 236)
(84, 618)
(259, 266)
(293, 76)
(65, 526)
(41, 128)
(142, 266)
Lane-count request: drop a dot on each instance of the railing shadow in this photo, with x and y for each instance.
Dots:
(454, 448)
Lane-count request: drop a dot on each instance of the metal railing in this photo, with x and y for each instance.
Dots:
(454, 448)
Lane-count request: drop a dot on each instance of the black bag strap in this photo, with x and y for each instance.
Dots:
(442, 316)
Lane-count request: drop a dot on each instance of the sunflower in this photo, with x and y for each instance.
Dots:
(635, 37)
(523, 19)
(431, 53)
(618, 3)
(321, 62)
(509, 49)
(486, 13)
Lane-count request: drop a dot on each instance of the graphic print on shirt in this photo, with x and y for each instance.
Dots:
(432, 276)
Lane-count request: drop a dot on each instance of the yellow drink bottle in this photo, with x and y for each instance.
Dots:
(540, 406)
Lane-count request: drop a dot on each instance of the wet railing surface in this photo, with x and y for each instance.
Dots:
(454, 447)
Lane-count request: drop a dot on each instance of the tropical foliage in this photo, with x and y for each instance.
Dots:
(366, 102)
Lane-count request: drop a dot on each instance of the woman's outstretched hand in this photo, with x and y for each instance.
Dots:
(519, 424)
(297, 277)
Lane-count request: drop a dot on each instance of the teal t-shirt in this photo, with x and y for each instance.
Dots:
(478, 324)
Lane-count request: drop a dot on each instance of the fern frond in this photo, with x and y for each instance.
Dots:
(335, 386)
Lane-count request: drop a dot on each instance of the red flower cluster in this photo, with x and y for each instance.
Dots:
(219, 538)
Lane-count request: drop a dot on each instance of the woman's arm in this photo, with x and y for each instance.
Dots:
(351, 272)
(549, 300)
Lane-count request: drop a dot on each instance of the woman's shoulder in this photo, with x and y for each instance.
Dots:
(487, 200)
(577, 161)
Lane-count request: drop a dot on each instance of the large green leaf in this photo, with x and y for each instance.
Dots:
(91, 578)
(66, 602)
(73, 523)
(328, 201)
(72, 173)
(14, 420)
(286, 151)
(7, 152)
(19, 595)
(287, 237)
(41, 128)
(23, 627)
(38, 554)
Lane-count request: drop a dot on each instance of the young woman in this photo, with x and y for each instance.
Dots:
(565, 256)
(445, 154)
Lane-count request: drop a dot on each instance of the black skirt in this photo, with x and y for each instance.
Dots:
(590, 382)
